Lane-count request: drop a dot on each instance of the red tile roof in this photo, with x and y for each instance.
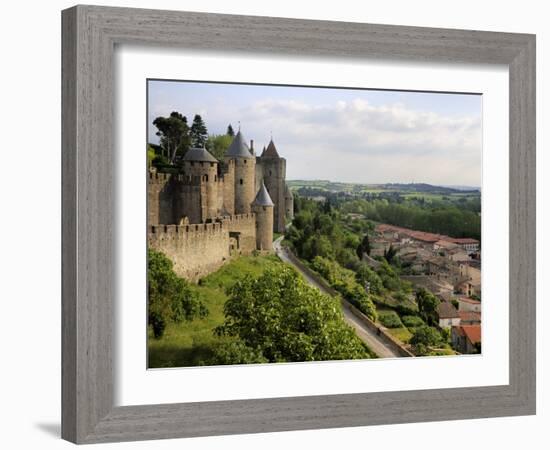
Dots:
(469, 316)
(424, 236)
(462, 240)
(472, 332)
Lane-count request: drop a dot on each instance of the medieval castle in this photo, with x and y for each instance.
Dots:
(213, 210)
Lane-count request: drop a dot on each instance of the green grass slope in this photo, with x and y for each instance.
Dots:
(187, 343)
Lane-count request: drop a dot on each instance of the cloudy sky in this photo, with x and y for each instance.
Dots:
(349, 135)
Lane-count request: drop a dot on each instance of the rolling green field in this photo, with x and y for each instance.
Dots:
(188, 343)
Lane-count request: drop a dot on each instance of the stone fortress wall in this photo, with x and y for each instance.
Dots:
(208, 213)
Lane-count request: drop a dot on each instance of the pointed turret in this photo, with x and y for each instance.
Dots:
(271, 151)
(262, 197)
(238, 148)
(263, 208)
(244, 162)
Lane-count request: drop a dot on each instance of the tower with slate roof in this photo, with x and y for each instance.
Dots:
(263, 208)
(274, 177)
(244, 163)
(200, 165)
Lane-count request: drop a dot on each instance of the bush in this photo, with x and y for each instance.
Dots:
(412, 321)
(389, 319)
(425, 337)
(235, 352)
(170, 298)
(345, 282)
(405, 310)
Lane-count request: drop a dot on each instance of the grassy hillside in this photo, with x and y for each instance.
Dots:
(187, 343)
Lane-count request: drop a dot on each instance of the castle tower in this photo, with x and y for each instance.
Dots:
(199, 164)
(245, 171)
(289, 203)
(274, 177)
(263, 208)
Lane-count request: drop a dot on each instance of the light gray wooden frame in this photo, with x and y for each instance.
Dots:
(89, 36)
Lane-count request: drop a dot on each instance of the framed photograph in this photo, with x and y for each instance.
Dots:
(268, 222)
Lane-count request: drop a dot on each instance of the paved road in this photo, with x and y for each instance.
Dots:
(369, 337)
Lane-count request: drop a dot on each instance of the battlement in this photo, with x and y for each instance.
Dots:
(238, 218)
(159, 177)
(184, 230)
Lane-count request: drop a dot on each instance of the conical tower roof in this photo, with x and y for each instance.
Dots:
(199, 154)
(271, 151)
(262, 197)
(238, 148)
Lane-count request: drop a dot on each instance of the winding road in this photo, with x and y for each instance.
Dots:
(365, 334)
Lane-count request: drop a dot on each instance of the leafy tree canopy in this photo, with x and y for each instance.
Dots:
(230, 131)
(279, 317)
(218, 144)
(173, 132)
(424, 337)
(427, 305)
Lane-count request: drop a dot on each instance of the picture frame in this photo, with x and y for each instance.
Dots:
(89, 37)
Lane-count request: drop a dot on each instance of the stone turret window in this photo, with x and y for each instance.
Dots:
(206, 178)
(270, 173)
(241, 181)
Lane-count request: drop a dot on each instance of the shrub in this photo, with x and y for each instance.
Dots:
(344, 281)
(170, 298)
(389, 319)
(412, 321)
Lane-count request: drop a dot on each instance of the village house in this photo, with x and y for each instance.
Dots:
(469, 317)
(468, 244)
(466, 338)
(447, 315)
(468, 304)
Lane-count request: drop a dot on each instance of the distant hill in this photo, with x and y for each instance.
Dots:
(335, 186)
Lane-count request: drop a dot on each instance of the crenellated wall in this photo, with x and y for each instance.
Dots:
(195, 250)
(199, 249)
(243, 228)
(159, 199)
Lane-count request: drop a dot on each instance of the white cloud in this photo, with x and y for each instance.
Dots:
(360, 141)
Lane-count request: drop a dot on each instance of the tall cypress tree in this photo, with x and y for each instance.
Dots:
(230, 131)
(199, 133)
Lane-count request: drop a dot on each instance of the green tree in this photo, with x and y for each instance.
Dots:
(390, 253)
(427, 305)
(173, 132)
(170, 298)
(218, 144)
(425, 337)
(363, 247)
(369, 278)
(281, 317)
(198, 133)
(230, 131)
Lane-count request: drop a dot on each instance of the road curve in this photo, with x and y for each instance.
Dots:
(365, 334)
